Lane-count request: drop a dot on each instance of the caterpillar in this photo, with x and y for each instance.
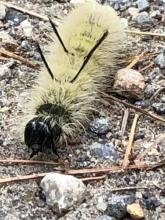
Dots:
(80, 64)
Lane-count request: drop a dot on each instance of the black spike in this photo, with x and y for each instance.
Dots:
(58, 36)
(90, 53)
(44, 60)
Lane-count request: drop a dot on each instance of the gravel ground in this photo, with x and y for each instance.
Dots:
(102, 145)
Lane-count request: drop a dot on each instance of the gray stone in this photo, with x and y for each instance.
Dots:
(117, 205)
(106, 151)
(100, 126)
(2, 11)
(105, 217)
(159, 107)
(143, 18)
(62, 191)
(26, 45)
(156, 14)
(160, 60)
(143, 5)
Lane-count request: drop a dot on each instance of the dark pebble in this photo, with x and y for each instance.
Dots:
(117, 205)
(143, 5)
(152, 203)
(159, 108)
(160, 60)
(100, 126)
(15, 16)
(106, 151)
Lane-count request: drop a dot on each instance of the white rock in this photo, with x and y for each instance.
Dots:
(133, 11)
(2, 11)
(130, 83)
(27, 28)
(62, 191)
(101, 204)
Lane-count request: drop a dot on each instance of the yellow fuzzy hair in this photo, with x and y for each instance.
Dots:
(80, 30)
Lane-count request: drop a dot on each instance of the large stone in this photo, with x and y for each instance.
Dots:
(129, 83)
(62, 191)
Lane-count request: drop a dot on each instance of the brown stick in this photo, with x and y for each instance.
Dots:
(9, 161)
(84, 171)
(135, 60)
(128, 188)
(130, 142)
(113, 169)
(145, 33)
(17, 57)
(151, 115)
(92, 178)
(147, 67)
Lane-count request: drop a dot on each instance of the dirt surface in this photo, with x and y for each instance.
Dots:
(22, 200)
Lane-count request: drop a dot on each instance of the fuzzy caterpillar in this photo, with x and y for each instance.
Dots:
(63, 102)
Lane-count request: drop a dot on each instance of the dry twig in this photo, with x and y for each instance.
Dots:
(145, 112)
(145, 33)
(17, 57)
(124, 121)
(10, 161)
(128, 188)
(135, 60)
(130, 142)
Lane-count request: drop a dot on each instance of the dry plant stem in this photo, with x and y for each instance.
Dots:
(145, 112)
(92, 178)
(124, 121)
(17, 57)
(135, 60)
(155, 166)
(129, 188)
(28, 162)
(147, 67)
(113, 169)
(130, 142)
(116, 169)
(145, 33)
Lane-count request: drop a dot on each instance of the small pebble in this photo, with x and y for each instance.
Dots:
(156, 14)
(26, 45)
(100, 126)
(160, 60)
(159, 108)
(135, 211)
(106, 151)
(133, 11)
(101, 204)
(3, 11)
(117, 205)
(143, 5)
(152, 203)
(105, 217)
(130, 82)
(143, 19)
(27, 28)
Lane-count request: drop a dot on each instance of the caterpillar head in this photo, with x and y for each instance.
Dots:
(39, 136)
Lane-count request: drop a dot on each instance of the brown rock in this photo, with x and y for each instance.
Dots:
(135, 211)
(129, 83)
